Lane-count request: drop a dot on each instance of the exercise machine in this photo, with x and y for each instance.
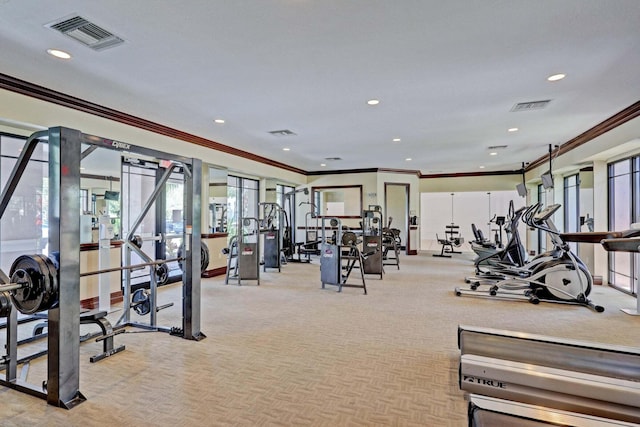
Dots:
(291, 246)
(372, 241)
(521, 379)
(559, 277)
(482, 246)
(270, 227)
(243, 252)
(497, 264)
(452, 239)
(339, 255)
(391, 245)
(53, 286)
(311, 243)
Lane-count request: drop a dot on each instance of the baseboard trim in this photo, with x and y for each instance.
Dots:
(91, 303)
(214, 272)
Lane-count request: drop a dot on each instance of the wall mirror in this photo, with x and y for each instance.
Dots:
(217, 202)
(342, 201)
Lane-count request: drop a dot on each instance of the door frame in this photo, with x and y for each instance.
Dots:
(407, 210)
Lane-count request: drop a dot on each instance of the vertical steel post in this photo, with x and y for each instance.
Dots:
(192, 241)
(161, 218)
(12, 345)
(64, 237)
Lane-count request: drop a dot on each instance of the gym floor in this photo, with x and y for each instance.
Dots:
(287, 353)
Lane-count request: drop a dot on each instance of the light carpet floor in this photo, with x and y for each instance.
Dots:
(287, 353)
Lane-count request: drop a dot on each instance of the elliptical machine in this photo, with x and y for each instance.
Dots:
(557, 276)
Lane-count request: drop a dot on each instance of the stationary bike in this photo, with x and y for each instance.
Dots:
(493, 266)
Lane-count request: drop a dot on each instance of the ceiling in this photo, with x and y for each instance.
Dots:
(447, 73)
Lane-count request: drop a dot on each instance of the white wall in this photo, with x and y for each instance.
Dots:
(463, 209)
(470, 183)
(23, 109)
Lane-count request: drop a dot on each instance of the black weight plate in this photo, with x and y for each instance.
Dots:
(162, 274)
(41, 277)
(349, 238)
(204, 257)
(5, 304)
(140, 302)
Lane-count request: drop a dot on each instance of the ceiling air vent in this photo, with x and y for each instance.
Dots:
(331, 159)
(282, 132)
(532, 105)
(86, 32)
(497, 147)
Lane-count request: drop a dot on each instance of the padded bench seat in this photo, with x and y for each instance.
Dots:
(97, 317)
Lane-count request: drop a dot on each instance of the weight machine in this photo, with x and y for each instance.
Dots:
(339, 255)
(310, 245)
(452, 238)
(271, 224)
(53, 285)
(290, 244)
(372, 241)
(391, 244)
(243, 252)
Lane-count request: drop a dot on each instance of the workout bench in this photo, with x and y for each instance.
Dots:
(88, 317)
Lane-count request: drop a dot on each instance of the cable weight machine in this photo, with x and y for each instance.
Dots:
(271, 228)
(339, 255)
(372, 222)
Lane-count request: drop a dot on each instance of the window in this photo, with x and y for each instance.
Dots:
(242, 201)
(285, 203)
(24, 225)
(572, 207)
(624, 201)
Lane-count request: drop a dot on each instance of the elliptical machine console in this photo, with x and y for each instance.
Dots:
(545, 214)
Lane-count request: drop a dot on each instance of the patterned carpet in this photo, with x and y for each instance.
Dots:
(287, 353)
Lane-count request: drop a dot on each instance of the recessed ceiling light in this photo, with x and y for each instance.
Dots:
(396, 139)
(481, 167)
(512, 130)
(408, 159)
(556, 77)
(493, 153)
(323, 164)
(286, 149)
(373, 102)
(219, 121)
(59, 53)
